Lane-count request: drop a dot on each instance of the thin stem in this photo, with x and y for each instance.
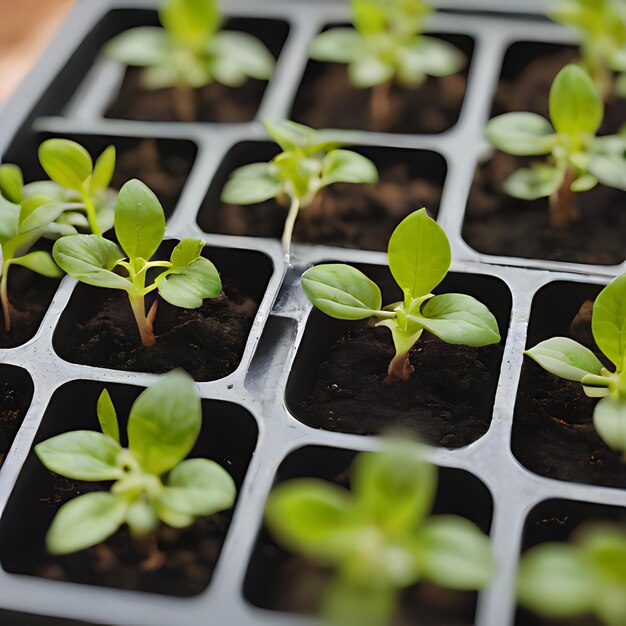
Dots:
(562, 203)
(289, 224)
(4, 296)
(380, 106)
(185, 103)
(146, 331)
(91, 215)
(400, 368)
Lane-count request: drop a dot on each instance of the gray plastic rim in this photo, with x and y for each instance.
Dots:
(260, 380)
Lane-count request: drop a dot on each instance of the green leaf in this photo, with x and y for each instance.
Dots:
(532, 183)
(369, 70)
(455, 553)
(86, 521)
(339, 45)
(459, 319)
(103, 170)
(38, 212)
(190, 22)
(609, 169)
(141, 518)
(313, 518)
(139, 220)
(199, 487)
(576, 107)
(608, 322)
(565, 358)
(107, 416)
(11, 182)
(419, 254)
(186, 251)
(556, 581)
(90, 259)
(289, 135)
(66, 162)
(188, 286)
(172, 518)
(345, 166)
(250, 184)
(609, 420)
(9, 220)
(394, 488)
(239, 56)
(142, 47)
(521, 133)
(341, 291)
(435, 57)
(40, 262)
(164, 422)
(584, 182)
(81, 455)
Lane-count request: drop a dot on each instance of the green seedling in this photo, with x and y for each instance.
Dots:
(583, 578)
(310, 160)
(570, 360)
(601, 25)
(184, 281)
(378, 538)
(419, 259)
(163, 425)
(387, 45)
(190, 52)
(577, 160)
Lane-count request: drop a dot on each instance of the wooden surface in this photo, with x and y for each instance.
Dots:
(26, 28)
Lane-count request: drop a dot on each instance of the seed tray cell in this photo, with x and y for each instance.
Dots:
(68, 94)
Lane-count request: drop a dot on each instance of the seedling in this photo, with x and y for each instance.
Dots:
(585, 577)
(163, 426)
(190, 52)
(419, 259)
(378, 537)
(387, 45)
(310, 160)
(184, 281)
(601, 25)
(577, 159)
(570, 360)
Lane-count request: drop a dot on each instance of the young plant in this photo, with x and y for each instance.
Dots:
(601, 25)
(184, 281)
(163, 425)
(310, 160)
(570, 360)
(387, 45)
(577, 159)
(190, 52)
(378, 537)
(585, 577)
(419, 259)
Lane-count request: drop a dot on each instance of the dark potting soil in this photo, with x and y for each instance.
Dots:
(527, 618)
(215, 102)
(190, 554)
(207, 342)
(498, 224)
(553, 433)
(13, 407)
(344, 214)
(448, 400)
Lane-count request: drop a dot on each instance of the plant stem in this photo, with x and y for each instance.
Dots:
(144, 323)
(91, 215)
(562, 203)
(185, 103)
(4, 296)
(289, 224)
(400, 368)
(380, 106)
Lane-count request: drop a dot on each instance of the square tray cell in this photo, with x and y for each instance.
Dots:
(498, 224)
(349, 215)
(162, 164)
(336, 382)
(327, 99)
(98, 328)
(279, 581)
(16, 394)
(228, 436)
(556, 520)
(553, 433)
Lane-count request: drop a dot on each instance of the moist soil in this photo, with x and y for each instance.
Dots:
(207, 342)
(190, 554)
(215, 102)
(13, 407)
(448, 400)
(329, 100)
(527, 618)
(347, 215)
(498, 224)
(553, 433)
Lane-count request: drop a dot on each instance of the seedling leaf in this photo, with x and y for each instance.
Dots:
(107, 416)
(566, 358)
